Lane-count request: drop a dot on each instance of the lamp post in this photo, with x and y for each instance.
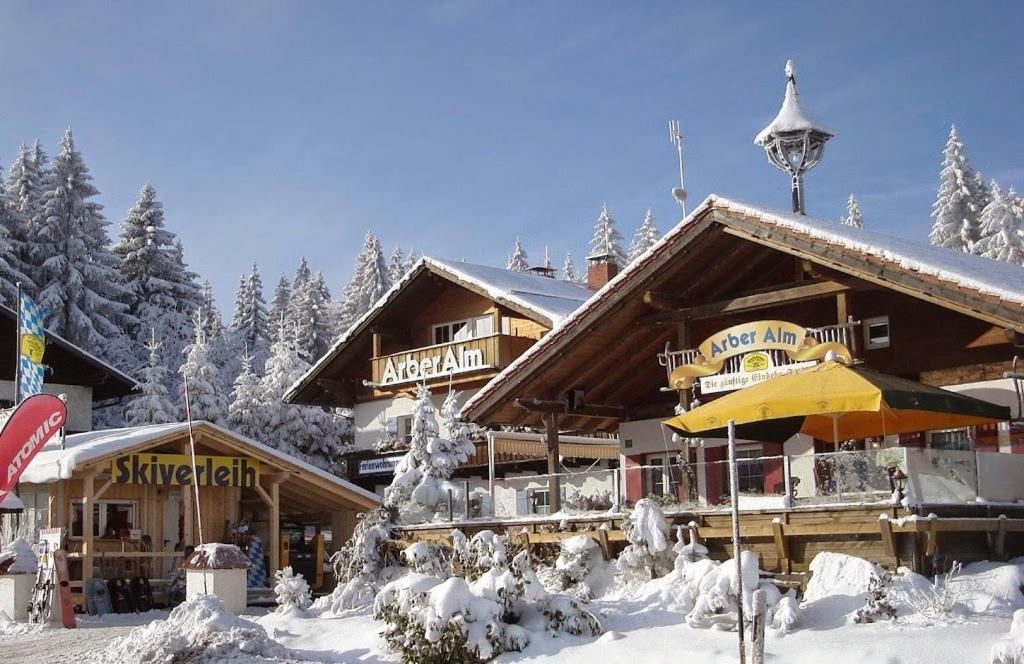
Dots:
(793, 141)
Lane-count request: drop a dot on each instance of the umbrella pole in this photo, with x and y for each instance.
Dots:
(734, 492)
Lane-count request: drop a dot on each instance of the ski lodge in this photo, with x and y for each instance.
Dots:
(452, 326)
(126, 500)
(931, 315)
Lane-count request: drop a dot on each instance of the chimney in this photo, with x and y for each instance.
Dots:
(600, 270)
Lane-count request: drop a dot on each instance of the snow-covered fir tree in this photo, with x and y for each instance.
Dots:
(25, 180)
(1002, 228)
(569, 270)
(163, 293)
(607, 239)
(644, 238)
(202, 376)
(368, 283)
(13, 269)
(982, 191)
(410, 260)
(396, 265)
(416, 488)
(24, 197)
(280, 306)
(305, 431)
(517, 259)
(250, 318)
(246, 411)
(312, 318)
(853, 216)
(154, 404)
(214, 323)
(78, 279)
(956, 209)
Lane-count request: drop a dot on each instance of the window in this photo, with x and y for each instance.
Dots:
(950, 439)
(403, 430)
(663, 476)
(538, 501)
(37, 508)
(463, 330)
(750, 471)
(110, 519)
(876, 332)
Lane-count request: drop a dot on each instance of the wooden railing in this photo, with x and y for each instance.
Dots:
(491, 353)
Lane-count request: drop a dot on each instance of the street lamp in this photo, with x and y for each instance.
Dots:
(898, 481)
(793, 141)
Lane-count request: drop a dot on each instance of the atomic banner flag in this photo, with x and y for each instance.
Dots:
(33, 422)
(31, 344)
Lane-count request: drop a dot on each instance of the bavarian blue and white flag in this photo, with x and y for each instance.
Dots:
(31, 344)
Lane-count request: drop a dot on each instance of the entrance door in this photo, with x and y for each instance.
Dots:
(171, 531)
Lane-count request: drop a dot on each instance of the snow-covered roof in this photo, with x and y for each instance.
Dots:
(958, 270)
(792, 116)
(551, 300)
(52, 463)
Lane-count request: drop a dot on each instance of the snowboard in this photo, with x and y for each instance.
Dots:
(67, 608)
(39, 608)
(97, 598)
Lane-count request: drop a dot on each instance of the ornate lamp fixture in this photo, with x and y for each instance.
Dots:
(793, 141)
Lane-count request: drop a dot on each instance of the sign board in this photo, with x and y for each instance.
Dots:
(51, 537)
(135, 534)
(176, 470)
(378, 466)
(32, 422)
(442, 361)
(756, 367)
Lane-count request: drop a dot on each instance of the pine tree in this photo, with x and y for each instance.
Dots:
(246, 412)
(154, 404)
(78, 279)
(250, 317)
(24, 192)
(163, 293)
(13, 270)
(396, 265)
(214, 322)
(313, 318)
(1002, 226)
(25, 181)
(956, 208)
(410, 260)
(201, 376)
(280, 307)
(517, 260)
(606, 238)
(853, 216)
(374, 282)
(644, 238)
(569, 270)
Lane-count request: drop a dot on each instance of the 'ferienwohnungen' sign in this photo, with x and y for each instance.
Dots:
(176, 470)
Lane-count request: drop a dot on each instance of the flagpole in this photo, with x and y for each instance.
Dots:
(195, 478)
(734, 493)
(17, 351)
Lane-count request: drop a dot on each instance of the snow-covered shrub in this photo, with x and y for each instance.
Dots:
(427, 559)
(578, 501)
(878, 605)
(717, 599)
(649, 554)
(785, 614)
(946, 594)
(1010, 648)
(688, 552)
(291, 590)
(579, 566)
(200, 631)
(473, 557)
(363, 562)
(416, 489)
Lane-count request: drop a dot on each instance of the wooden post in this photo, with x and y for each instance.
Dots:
(759, 602)
(554, 492)
(188, 498)
(275, 527)
(781, 545)
(88, 541)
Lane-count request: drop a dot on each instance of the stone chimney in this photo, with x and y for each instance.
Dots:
(600, 270)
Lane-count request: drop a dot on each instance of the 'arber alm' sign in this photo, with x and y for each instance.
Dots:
(441, 361)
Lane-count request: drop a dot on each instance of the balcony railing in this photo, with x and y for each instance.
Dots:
(491, 353)
(843, 333)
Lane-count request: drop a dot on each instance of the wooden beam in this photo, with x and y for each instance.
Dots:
(781, 545)
(88, 541)
(602, 412)
(103, 489)
(275, 528)
(888, 539)
(554, 488)
(788, 294)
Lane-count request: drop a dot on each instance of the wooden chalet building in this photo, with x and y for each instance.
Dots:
(928, 314)
(450, 325)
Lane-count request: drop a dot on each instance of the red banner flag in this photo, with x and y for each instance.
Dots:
(33, 422)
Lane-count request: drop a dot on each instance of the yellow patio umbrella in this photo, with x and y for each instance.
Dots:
(832, 401)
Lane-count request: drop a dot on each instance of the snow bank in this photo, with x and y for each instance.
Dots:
(839, 574)
(21, 556)
(1010, 650)
(199, 631)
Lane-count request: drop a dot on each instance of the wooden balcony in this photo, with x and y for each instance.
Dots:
(459, 359)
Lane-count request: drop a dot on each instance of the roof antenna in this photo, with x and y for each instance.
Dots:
(676, 137)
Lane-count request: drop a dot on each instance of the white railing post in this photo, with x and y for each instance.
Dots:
(787, 475)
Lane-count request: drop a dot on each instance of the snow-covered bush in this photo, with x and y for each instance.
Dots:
(717, 599)
(427, 559)
(291, 590)
(365, 560)
(473, 557)
(416, 489)
(580, 566)
(649, 554)
(946, 594)
(688, 552)
(1010, 648)
(878, 605)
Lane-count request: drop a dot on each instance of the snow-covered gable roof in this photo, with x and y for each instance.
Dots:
(550, 300)
(958, 270)
(52, 463)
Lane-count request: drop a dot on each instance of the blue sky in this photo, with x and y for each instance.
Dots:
(273, 130)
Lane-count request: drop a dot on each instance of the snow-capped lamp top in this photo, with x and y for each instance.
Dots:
(792, 117)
